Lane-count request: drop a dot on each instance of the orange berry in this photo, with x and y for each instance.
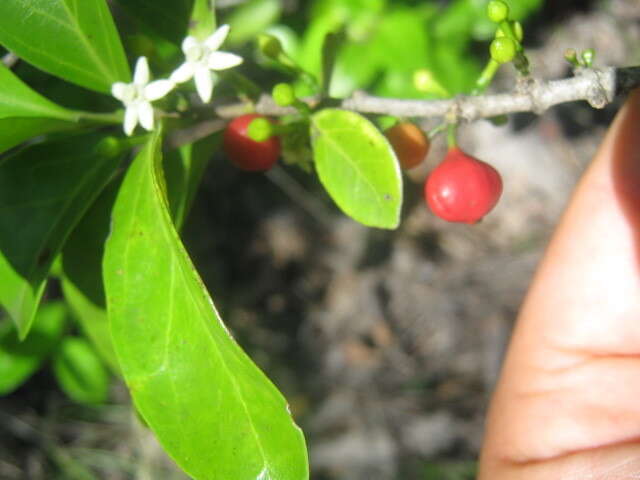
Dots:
(409, 143)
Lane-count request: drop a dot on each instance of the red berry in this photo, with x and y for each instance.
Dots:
(462, 188)
(246, 153)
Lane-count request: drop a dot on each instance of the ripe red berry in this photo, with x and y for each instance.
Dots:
(462, 188)
(246, 153)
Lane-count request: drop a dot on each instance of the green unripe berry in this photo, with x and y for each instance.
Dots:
(497, 11)
(503, 49)
(269, 45)
(260, 129)
(109, 147)
(424, 81)
(283, 95)
(588, 57)
(517, 30)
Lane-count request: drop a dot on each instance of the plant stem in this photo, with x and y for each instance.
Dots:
(108, 118)
(452, 131)
(485, 78)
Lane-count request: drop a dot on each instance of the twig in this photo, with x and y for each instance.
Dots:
(597, 86)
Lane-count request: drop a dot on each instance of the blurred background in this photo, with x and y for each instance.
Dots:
(386, 344)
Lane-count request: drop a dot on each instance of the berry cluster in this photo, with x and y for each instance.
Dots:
(461, 189)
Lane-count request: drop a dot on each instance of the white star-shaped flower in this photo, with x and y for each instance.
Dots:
(137, 96)
(201, 58)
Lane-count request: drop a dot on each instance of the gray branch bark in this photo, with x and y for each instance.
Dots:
(597, 86)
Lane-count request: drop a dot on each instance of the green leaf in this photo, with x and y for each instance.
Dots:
(19, 360)
(183, 171)
(166, 18)
(82, 278)
(14, 131)
(252, 18)
(73, 39)
(18, 100)
(357, 167)
(214, 411)
(79, 371)
(44, 190)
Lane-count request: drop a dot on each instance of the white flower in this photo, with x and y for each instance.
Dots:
(137, 96)
(201, 58)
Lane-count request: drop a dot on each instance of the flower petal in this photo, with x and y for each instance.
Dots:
(223, 60)
(158, 89)
(188, 43)
(183, 73)
(216, 39)
(145, 112)
(130, 119)
(118, 89)
(141, 75)
(204, 83)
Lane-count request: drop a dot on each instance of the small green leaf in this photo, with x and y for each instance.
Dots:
(82, 278)
(73, 39)
(214, 411)
(166, 18)
(19, 360)
(252, 18)
(357, 167)
(79, 371)
(44, 190)
(18, 100)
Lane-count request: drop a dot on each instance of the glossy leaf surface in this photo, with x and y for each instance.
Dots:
(19, 100)
(213, 410)
(73, 39)
(19, 360)
(44, 190)
(357, 167)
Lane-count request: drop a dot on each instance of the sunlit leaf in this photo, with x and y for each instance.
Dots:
(213, 410)
(357, 167)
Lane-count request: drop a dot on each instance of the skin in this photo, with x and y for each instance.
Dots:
(567, 405)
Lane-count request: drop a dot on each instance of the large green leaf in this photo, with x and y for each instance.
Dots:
(73, 39)
(79, 371)
(82, 273)
(18, 100)
(19, 360)
(213, 410)
(167, 18)
(25, 114)
(44, 191)
(357, 166)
